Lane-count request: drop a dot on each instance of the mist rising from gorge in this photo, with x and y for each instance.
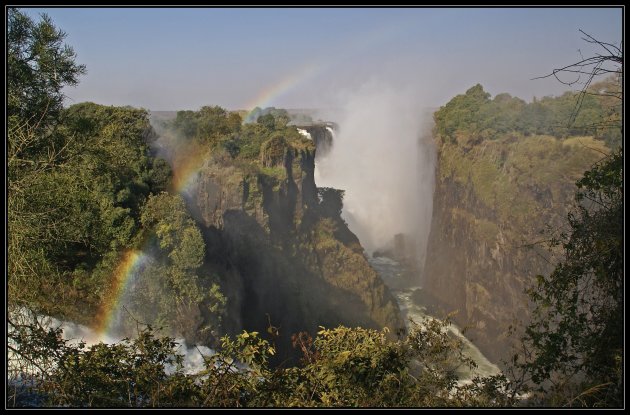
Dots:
(384, 159)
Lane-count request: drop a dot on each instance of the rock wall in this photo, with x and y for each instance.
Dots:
(285, 259)
(492, 200)
(322, 135)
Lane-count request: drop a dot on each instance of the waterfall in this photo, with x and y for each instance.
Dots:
(305, 133)
(384, 167)
(384, 158)
(331, 131)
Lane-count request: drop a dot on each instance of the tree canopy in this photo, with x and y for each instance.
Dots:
(478, 117)
(84, 189)
(341, 367)
(39, 65)
(574, 343)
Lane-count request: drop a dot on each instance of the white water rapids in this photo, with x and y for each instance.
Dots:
(392, 274)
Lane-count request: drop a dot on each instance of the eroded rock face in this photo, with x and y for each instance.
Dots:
(322, 136)
(283, 259)
(491, 202)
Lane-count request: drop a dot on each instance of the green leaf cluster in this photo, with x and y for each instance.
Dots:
(576, 335)
(475, 117)
(342, 367)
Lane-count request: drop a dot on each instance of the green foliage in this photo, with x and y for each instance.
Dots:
(460, 112)
(209, 125)
(352, 367)
(363, 368)
(577, 329)
(160, 175)
(237, 374)
(473, 116)
(342, 367)
(39, 65)
(251, 139)
(77, 177)
(273, 151)
(130, 373)
(219, 129)
(271, 116)
(232, 147)
(69, 213)
(185, 123)
(268, 121)
(170, 291)
(274, 175)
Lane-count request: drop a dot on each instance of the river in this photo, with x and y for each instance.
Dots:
(393, 274)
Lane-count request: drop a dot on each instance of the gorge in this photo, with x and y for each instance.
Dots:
(385, 238)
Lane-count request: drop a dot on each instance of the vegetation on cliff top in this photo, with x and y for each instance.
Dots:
(217, 128)
(520, 161)
(79, 193)
(84, 190)
(473, 116)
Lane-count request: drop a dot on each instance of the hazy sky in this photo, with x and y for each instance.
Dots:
(167, 59)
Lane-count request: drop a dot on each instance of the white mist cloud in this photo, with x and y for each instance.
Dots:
(384, 159)
(193, 361)
(193, 356)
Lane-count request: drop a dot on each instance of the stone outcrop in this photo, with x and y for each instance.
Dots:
(492, 200)
(284, 258)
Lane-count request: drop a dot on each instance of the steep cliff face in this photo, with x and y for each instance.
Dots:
(492, 199)
(286, 257)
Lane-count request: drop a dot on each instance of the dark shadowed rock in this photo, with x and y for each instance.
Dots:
(284, 258)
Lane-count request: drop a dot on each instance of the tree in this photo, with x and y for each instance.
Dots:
(185, 124)
(608, 62)
(342, 367)
(268, 120)
(77, 178)
(331, 201)
(576, 333)
(461, 112)
(171, 290)
(39, 65)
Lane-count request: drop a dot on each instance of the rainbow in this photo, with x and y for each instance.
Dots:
(184, 173)
(357, 44)
(186, 166)
(185, 169)
(267, 95)
(128, 266)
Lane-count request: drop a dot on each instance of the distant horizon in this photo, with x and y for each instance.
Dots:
(241, 109)
(329, 108)
(239, 58)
